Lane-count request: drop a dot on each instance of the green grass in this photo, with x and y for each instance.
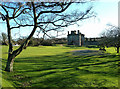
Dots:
(6, 83)
(56, 66)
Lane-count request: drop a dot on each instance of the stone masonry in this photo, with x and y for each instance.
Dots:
(75, 38)
(79, 39)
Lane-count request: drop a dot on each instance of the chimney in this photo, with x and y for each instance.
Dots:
(78, 31)
(68, 32)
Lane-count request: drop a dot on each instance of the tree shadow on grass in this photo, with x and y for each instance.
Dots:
(62, 59)
(62, 70)
(92, 46)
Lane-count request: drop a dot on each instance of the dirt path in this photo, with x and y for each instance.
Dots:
(87, 52)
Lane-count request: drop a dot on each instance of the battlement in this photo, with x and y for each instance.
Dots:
(75, 33)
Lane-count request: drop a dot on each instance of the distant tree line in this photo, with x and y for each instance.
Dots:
(34, 41)
(45, 42)
(3, 39)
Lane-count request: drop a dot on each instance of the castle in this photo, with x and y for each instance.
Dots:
(78, 39)
(75, 38)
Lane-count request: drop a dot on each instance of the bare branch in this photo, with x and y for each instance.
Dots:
(21, 26)
(52, 5)
(54, 11)
(5, 9)
(7, 6)
(19, 13)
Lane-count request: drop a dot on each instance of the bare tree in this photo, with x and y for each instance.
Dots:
(4, 38)
(45, 16)
(111, 37)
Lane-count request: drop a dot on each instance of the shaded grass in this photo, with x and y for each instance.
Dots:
(57, 67)
(6, 83)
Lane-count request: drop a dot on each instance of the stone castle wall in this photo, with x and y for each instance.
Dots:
(78, 39)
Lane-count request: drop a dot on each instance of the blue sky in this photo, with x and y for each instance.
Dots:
(107, 12)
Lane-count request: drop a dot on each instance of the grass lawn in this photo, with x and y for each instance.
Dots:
(56, 66)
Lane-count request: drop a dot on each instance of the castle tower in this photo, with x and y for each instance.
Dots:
(75, 38)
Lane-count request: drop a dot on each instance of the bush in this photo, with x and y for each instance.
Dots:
(47, 43)
(31, 43)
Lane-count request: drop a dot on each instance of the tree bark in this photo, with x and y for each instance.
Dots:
(11, 56)
(10, 61)
(117, 49)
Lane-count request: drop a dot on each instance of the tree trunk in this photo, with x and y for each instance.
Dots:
(9, 65)
(12, 54)
(117, 49)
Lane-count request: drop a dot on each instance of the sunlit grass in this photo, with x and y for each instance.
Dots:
(112, 50)
(56, 66)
